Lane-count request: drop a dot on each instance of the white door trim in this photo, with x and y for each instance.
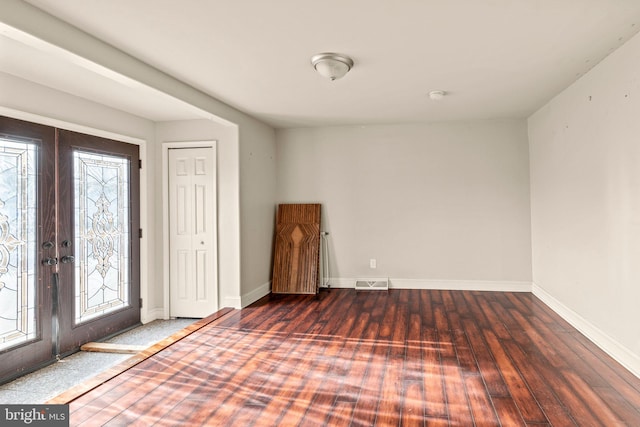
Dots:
(166, 146)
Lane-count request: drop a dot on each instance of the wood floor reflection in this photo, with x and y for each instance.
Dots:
(403, 357)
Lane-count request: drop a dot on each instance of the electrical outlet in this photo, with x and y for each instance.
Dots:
(373, 263)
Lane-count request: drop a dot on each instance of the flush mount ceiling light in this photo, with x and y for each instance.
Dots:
(437, 95)
(331, 65)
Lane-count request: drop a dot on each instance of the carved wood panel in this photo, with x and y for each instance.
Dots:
(296, 262)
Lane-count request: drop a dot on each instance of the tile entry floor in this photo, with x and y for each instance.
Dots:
(48, 382)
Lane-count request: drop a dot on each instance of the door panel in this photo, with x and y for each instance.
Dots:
(27, 218)
(297, 251)
(98, 238)
(193, 243)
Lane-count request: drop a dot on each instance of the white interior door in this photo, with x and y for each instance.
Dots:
(193, 287)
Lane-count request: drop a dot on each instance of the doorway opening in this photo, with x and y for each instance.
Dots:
(69, 242)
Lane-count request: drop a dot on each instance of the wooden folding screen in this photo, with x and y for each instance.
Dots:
(296, 262)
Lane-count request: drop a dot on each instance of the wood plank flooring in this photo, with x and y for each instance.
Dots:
(402, 357)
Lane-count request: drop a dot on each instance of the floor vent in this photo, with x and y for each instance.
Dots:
(372, 284)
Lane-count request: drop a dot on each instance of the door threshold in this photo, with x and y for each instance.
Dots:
(106, 347)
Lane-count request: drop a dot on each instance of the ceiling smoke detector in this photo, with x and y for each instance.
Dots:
(331, 65)
(437, 95)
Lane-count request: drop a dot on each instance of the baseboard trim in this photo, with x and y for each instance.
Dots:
(231, 302)
(147, 316)
(253, 296)
(620, 353)
(449, 285)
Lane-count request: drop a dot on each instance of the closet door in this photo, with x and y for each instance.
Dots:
(27, 246)
(193, 284)
(297, 250)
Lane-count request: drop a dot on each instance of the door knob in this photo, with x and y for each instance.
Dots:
(50, 261)
(67, 259)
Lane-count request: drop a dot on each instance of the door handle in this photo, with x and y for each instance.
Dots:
(67, 259)
(50, 261)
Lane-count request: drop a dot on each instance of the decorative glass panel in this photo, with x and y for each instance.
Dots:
(101, 213)
(18, 241)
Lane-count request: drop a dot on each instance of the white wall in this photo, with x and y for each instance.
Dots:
(227, 195)
(257, 201)
(437, 205)
(52, 106)
(585, 196)
(246, 200)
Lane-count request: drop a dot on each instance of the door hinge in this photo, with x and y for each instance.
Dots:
(139, 163)
(140, 233)
(140, 302)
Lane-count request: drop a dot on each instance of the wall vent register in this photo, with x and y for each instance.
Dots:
(372, 284)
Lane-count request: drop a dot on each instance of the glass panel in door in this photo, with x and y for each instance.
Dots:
(27, 223)
(18, 186)
(102, 234)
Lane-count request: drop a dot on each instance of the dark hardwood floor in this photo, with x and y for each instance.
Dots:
(403, 357)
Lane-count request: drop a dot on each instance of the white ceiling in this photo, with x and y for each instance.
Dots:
(494, 58)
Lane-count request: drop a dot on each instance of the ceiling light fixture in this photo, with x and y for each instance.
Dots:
(331, 65)
(437, 95)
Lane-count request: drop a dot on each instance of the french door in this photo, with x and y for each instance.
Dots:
(69, 242)
(98, 238)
